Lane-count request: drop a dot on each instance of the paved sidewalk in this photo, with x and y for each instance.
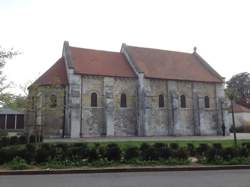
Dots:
(242, 136)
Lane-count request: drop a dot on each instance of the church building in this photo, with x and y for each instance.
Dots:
(135, 92)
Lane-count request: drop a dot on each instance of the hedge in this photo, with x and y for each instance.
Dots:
(112, 152)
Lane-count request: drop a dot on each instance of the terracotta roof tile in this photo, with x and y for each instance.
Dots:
(96, 62)
(163, 64)
(239, 109)
(55, 74)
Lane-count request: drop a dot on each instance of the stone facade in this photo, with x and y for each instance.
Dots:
(143, 115)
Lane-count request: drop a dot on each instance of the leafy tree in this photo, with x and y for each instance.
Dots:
(241, 83)
(4, 55)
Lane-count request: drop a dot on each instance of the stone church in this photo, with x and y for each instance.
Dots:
(135, 92)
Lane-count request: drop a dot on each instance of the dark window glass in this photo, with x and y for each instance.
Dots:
(10, 121)
(123, 100)
(20, 121)
(2, 121)
(94, 100)
(161, 101)
(53, 101)
(183, 101)
(33, 103)
(206, 100)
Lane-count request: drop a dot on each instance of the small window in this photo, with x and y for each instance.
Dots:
(94, 99)
(33, 103)
(123, 100)
(10, 121)
(206, 101)
(183, 101)
(53, 101)
(161, 101)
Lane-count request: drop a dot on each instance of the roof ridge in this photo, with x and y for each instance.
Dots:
(163, 50)
(99, 50)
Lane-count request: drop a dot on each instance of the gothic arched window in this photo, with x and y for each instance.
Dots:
(183, 101)
(161, 101)
(123, 100)
(53, 101)
(206, 101)
(93, 99)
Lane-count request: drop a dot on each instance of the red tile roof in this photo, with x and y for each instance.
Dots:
(96, 62)
(55, 74)
(162, 64)
(239, 109)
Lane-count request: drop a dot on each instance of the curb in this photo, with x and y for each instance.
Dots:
(121, 170)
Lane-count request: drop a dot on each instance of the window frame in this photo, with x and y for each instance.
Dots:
(161, 103)
(183, 102)
(93, 99)
(123, 101)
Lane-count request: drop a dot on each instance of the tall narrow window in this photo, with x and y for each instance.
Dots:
(161, 101)
(94, 99)
(183, 101)
(123, 100)
(206, 101)
(53, 101)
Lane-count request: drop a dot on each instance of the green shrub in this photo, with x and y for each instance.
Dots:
(131, 153)
(18, 164)
(32, 139)
(93, 154)
(45, 152)
(181, 154)
(13, 140)
(174, 146)
(5, 141)
(22, 139)
(202, 149)
(162, 151)
(113, 152)
(148, 152)
(191, 149)
(229, 153)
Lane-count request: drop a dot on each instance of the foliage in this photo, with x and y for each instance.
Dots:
(18, 164)
(131, 152)
(5, 54)
(113, 152)
(241, 84)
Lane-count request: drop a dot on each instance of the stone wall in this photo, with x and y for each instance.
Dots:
(108, 118)
(42, 118)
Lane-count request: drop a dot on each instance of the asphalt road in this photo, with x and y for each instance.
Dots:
(229, 178)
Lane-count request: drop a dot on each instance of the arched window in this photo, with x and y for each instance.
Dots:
(161, 101)
(206, 101)
(53, 101)
(123, 100)
(183, 101)
(94, 99)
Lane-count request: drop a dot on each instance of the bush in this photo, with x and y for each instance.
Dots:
(93, 154)
(229, 153)
(45, 152)
(18, 164)
(131, 153)
(22, 139)
(202, 149)
(113, 152)
(13, 140)
(147, 152)
(32, 139)
(191, 149)
(174, 146)
(162, 151)
(5, 141)
(181, 154)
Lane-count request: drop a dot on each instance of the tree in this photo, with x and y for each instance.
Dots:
(241, 83)
(233, 96)
(4, 55)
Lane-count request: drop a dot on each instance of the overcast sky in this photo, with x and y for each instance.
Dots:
(219, 28)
